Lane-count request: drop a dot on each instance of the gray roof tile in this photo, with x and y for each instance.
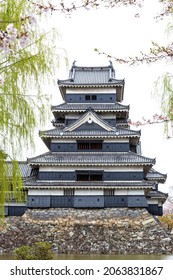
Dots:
(157, 194)
(119, 132)
(83, 185)
(91, 76)
(155, 175)
(25, 169)
(82, 107)
(89, 159)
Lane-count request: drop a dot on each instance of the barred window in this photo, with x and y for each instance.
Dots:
(87, 97)
(90, 145)
(109, 192)
(69, 192)
(91, 97)
(94, 97)
(89, 176)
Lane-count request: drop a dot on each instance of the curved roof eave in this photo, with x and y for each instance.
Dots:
(97, 107)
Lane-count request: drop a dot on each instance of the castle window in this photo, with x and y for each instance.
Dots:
(91, 97)
(109, 192)
(82, 176)
(95, 145)
(89, 176)
(35, 172)
(83, 146)
(94, 97)
(90, 145)
(69, 192)
(95, 177)
(87, 97)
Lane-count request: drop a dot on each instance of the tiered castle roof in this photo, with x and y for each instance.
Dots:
(91, 113)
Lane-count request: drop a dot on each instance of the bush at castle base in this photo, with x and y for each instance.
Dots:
(38, 251)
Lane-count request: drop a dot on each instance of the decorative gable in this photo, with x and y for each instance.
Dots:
(90, 121)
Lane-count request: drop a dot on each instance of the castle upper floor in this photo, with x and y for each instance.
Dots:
(92, 84)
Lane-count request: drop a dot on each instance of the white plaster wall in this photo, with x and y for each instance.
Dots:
(90, 90)
(108, 116)
(105, 116)
(129, 192)
(15, 204)
(135, 192)
(152, 201)
(106, 168)
(63, 141)
(45, 192)
(88, 192)
(117, 140)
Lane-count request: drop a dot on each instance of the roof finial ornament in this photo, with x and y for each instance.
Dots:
(72, 71)
(110, 63)
(74, 63)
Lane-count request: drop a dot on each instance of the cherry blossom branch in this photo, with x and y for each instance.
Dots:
(167, 8)
(10, 35)
(64, 7)
(156, 53)
(155, 119)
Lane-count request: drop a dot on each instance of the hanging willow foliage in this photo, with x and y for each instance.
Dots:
(27, 61)
(165, 85)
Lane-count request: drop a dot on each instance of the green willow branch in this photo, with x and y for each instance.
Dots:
(19, 61)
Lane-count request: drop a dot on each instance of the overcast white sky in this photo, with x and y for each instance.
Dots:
(118, 32)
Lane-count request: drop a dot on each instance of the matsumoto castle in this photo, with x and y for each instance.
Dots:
(94, 158)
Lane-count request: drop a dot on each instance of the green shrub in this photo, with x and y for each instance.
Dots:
(38, 251)
(167, 221)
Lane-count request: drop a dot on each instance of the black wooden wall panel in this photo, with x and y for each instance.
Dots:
(63, 147)
(115, 147)
(137, 201)
(38, 201)
(89, 201)
(61, 201)
(106, 147)
(6, 210)
(155, 210)
(107, 176)
(16, 210)
(89, 126)
(80, 98)
(109, 121)
(50, 175)
(115, 201)
(122, 176)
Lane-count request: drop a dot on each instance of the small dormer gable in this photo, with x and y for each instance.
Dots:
(90, 121)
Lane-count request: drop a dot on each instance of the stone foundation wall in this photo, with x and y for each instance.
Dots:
(96, 231)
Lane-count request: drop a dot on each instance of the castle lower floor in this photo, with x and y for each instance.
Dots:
(84, 202)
